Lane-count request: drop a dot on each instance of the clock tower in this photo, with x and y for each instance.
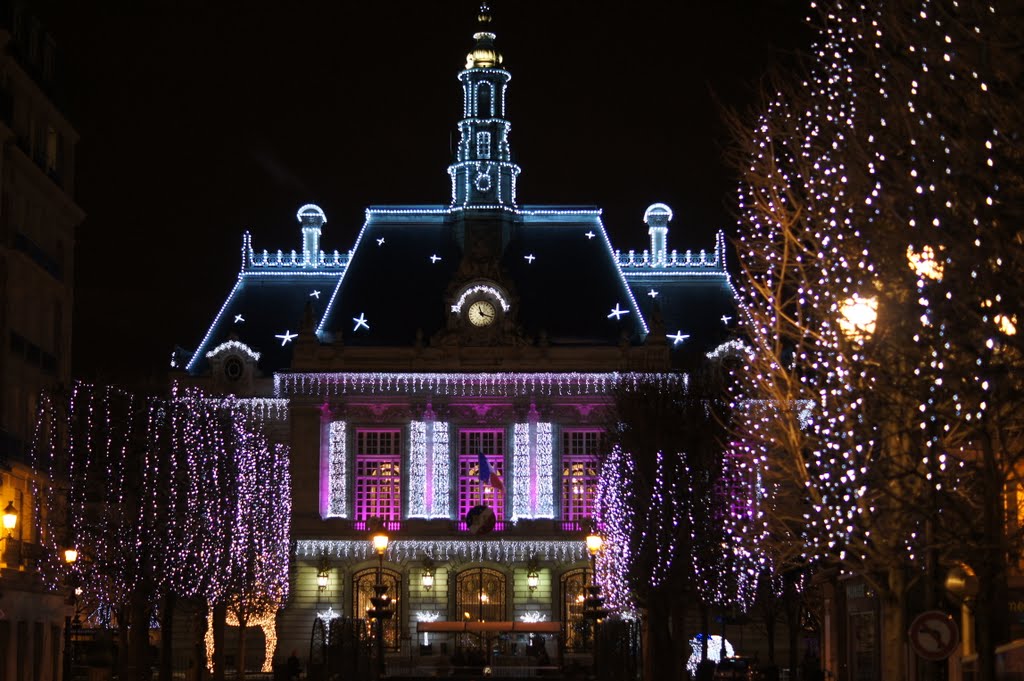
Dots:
(483, 174)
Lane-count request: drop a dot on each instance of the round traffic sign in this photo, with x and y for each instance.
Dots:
(934, 635)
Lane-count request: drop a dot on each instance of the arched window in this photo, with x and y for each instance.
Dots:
(484, 100)
(574, 627)
(480, 595)
(362, 588)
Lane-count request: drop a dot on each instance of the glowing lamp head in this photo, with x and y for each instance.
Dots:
(380, 542)
(1007, 324)
(10, 516)
(321, 580)
(858, 317)
(924, 263)
(427, 580)
(533, 581)
(70, 555)
(594, 543)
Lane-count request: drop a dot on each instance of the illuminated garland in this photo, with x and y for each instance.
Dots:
(615, 520)
(441, 474)
(237, 346)
(499, 550)
(544, 506)
(572, 384)
(521, 463)
(337, 471)
(419, 502)
(532, 466)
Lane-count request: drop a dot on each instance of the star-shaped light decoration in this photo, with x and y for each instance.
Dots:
(434, 258)
(380, 241)
(239, 319)
(726, 318)
(677, 337)
(530, 258)
(617, 312)
(286, 337)
(315, 294)
(652, 293)
(361, 322)
(590, 234)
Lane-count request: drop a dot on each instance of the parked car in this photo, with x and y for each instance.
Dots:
(737, 669)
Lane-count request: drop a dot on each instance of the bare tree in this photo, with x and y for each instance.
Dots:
(879, 217)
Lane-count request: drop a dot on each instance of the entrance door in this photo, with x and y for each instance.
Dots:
(574, 631)
(362, 588)
(480, 595)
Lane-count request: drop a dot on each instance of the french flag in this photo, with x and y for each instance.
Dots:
(489, 477)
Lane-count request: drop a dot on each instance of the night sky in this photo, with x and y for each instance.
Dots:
(199, 120)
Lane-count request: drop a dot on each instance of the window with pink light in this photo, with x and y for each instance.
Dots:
(491, 443)
(378, 483)
(581, 448)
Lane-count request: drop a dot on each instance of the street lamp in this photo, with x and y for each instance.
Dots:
(321, 581)
(70, 556)
(858, 317)
(532, 580)
(381, 601)
(593, 604)
(533, 574)
(427, 578)
(10, 518)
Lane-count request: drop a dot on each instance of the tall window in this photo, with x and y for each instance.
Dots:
(580, 450)
(378, 475)
(484, 105)
(490, 443)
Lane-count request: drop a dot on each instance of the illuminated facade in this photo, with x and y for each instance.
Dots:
(480, 327)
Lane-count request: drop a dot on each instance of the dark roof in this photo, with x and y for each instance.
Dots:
(702, 307)
(568, 282)
(397, 286)
(563, 275)
(567, 289)
(270, 305)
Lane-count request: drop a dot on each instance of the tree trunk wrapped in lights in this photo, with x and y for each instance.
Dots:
(880, 247)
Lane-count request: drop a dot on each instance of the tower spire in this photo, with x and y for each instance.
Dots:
(483, 174)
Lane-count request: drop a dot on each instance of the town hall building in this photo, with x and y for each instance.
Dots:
(477, 326)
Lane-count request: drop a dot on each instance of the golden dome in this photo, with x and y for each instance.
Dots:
(485, 55)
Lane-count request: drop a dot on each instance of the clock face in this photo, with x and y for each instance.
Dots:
(481, 313)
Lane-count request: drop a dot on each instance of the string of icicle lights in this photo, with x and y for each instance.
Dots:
(497, 550)
(465, 384)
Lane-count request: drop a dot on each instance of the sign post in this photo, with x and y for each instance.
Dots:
(934, 635)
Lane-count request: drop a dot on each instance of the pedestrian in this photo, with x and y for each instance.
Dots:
(294, 668)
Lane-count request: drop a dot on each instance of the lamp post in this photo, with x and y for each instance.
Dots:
(380, 600)
(593, 604)
(70, 556)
